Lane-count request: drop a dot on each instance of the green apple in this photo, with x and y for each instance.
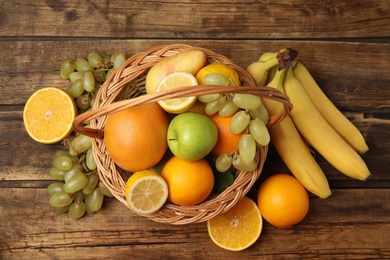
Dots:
(191, 136)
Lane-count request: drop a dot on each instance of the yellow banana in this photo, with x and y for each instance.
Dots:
(259, 69)
(320, 135)
(266, 56)
(329, 111)
(291, 148)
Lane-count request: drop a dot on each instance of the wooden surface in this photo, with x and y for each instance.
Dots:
(345, 44)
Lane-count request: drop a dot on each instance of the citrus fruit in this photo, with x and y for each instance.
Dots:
(238, 228)
(220, 68)
(189, 182)
(282, 200)
(136, 137)
(48, 115)
(198, 107)
(227, 141)
(146, 192)
(172, 81)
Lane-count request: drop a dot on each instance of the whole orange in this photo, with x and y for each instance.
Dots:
(136, 137)
(227, 141)
(189, 182)
(282, 200)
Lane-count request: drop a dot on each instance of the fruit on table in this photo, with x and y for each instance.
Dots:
(259, 70)
(190, 60)
(333, 148)
(189, 182)
(191, 136)
(329, 111)
(238, 228)
(48, 115)
(136, 137)
(146, 192)
(172, 81)
(282, 200)
(218, 69)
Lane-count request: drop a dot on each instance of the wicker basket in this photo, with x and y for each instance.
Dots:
(125, 88)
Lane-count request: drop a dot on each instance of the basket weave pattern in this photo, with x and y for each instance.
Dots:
(126, 88)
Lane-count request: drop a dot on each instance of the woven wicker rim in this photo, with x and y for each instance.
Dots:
(110, 99)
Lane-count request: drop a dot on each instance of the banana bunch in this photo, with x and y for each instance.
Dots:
(314, 122)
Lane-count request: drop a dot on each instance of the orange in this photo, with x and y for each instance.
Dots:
(282, 200)
(136, 137)
(189, 182)
(198, 107)
(238, 228)
(48, 115)
(227, 141)
(146, 192)
(220, 68)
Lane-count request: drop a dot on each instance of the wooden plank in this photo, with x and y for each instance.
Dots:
(353, 75)
(329, 231)
(207, 20)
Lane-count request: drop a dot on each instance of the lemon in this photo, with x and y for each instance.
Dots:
(177, 80)
(222, 69)
(146, 192)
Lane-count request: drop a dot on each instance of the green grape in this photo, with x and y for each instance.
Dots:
(77, 210)
(84, 101)
(95, 60)
(54, 187)
(215, 79)
(239, 122)
(260, 112)
(61, 210)
(108, 73)
(60, 199)
(247, 148)
(81, 143)
(76, 183)
(88, 81)
(99, 75)
(93, 181)
(74, 76)
(89, 160)
(228, 109)
(78, 196)
(95, 200)
(208, 98)
(61, 152)
(75, 89)
(82, 65)
(223, 162)
(57, 174)
(247, 101)
(103, 189)
(67, 67)
(215, 106)
(62, 163)
(77, 168)
(118, 58)
(240, 165)
(259, 131)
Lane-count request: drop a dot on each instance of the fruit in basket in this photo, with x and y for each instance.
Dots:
(189, 182)
(238, 228)
(172, 81)
(136, 137)
(227, 141)
(191, 136)
(48, 115)
(189, 60)
(146, 192)
(225, 70)
(282, 200)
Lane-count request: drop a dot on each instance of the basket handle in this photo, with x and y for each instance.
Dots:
(263, 92)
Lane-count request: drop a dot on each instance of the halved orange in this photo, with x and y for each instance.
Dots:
(48, 115)
(238, 228)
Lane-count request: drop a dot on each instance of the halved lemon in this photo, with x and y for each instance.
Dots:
(48, 115)
(238, 228)
(172, 81)
(146, 192)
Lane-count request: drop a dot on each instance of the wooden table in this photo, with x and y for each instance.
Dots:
(346, 46)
